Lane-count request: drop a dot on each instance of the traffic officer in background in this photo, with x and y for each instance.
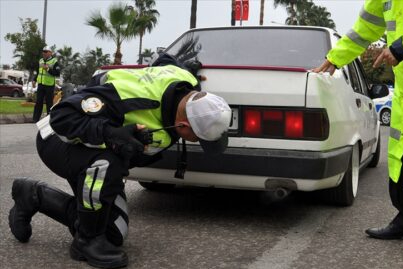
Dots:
(48, 70)
(376, 17)
(126, 118)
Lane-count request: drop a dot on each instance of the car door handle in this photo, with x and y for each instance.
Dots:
(370, 106)
(358, 102)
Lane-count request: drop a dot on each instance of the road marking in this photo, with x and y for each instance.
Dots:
(288, 249)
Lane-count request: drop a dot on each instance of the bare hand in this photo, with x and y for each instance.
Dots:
(325, 66)
(386, 56)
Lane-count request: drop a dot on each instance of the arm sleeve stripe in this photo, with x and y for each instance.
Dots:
(356, 38)
(372, 18)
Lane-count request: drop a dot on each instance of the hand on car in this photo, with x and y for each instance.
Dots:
(386, 56)
(325, 66)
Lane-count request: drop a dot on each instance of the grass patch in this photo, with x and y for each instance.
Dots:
(13, 106)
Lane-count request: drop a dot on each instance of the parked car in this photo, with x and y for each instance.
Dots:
(10, 88)
(384, 107)
(292, 129)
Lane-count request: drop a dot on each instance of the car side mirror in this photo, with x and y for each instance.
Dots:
(378, 91)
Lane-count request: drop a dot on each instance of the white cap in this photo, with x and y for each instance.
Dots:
(46, 48)
(210, 117)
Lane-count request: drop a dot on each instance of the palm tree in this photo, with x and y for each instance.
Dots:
(319, 16)
(119, 27)
(193, 14)
(291, 7)
(147, 18)
(305, 12)
(261, 12)
(146, 55)
(98, 57)
(66, 57)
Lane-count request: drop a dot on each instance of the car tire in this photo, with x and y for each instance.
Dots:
(375, 158)
(15, 94)
(153, 186)
(385, 116)
(345, 193)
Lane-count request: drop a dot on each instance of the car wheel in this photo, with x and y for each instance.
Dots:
(16, 94)
(152, 186)
(385, 116)
(375, 158)
(345, 193)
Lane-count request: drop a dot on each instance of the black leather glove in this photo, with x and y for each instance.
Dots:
(123, 142)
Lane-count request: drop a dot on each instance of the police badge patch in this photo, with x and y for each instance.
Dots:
(92, 105)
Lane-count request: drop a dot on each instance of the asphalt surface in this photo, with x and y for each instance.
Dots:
(209, 228)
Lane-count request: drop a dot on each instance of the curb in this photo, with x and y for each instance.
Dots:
(16, 118)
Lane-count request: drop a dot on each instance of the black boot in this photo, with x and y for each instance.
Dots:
(31, 196)
(26, 205)
(98, 252)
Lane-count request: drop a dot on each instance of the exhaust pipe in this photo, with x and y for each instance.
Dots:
(275, 195)
(280, 193)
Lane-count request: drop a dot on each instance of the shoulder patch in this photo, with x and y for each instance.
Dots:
(92, 105)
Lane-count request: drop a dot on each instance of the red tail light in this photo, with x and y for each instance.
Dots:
(253, 121)
(305, 124)
(294, 124)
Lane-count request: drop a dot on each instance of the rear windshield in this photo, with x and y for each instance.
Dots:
(285, 47)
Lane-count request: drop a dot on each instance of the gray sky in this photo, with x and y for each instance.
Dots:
(66, 21)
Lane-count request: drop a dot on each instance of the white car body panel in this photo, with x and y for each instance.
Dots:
(352, 119)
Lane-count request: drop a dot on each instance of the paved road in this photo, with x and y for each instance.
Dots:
(207, 228)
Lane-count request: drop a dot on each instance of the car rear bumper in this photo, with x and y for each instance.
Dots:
(263, 162)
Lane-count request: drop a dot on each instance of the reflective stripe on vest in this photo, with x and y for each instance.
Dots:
(394, 133)
(391, 25)
(93, 183)
(387, 5)
(372, 18)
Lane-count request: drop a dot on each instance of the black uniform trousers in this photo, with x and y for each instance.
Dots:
(43, 92)
(396, 196)
(96, 178)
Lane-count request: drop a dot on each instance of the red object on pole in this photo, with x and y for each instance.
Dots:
(244, 5)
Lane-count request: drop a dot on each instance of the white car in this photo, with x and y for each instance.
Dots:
(292, 130)
(383, 107)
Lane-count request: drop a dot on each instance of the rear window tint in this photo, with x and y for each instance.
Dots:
(285, 47)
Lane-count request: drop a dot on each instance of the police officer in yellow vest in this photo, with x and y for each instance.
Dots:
(375, 17)
(48, 70)
(96, 135)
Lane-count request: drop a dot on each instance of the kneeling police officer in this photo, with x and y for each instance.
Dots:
(125, 118)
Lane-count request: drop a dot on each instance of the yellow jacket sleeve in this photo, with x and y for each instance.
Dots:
(368, 28)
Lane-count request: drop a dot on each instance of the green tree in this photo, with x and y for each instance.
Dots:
(66, 57)
(118, 26)
(98, 57)
(291, 7)
(305, 12)
(68, 61)
(81, 71)
(28, 45)
(147, 55)
(311, 14)
(147, 18)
